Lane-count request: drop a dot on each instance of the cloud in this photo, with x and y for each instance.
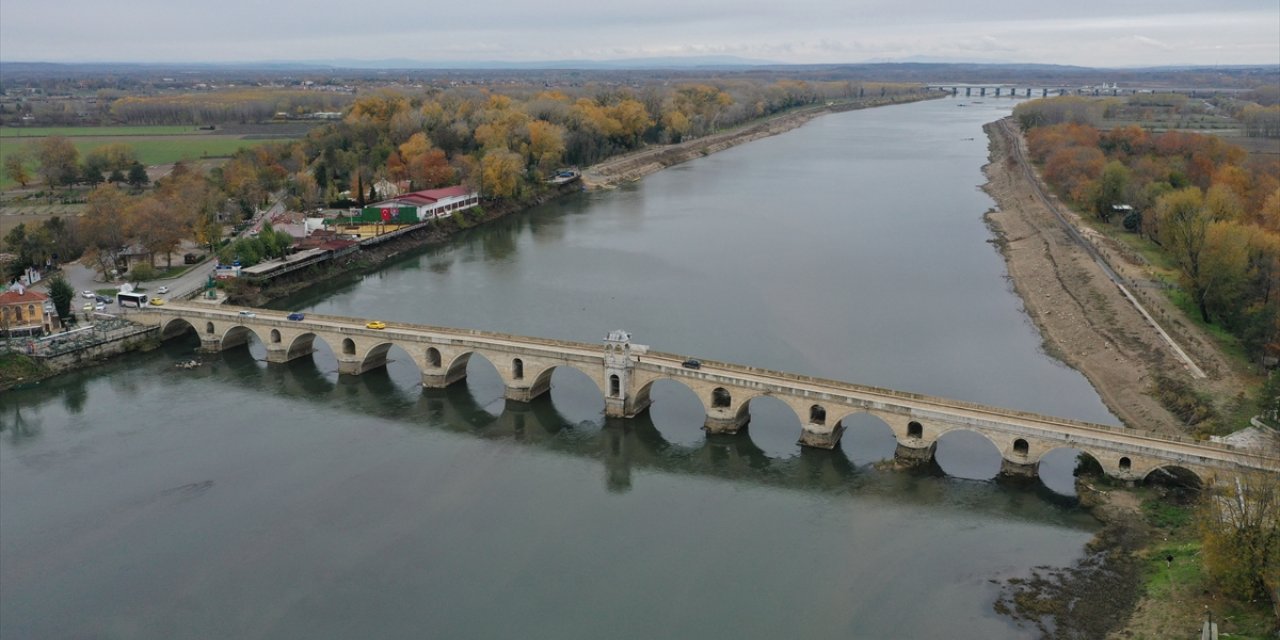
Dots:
(1152, 42)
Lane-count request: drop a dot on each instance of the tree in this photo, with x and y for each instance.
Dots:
(92, 175)
(59, 162)
(138, 176)
(62, 293)
(15, 168)
(116, 177)
(1111, 189)
(1183, 228)
(500, 173)
(102, 226)
(157, 227)
(1240, 531)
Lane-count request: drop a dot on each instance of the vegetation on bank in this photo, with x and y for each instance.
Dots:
(16, 368)
(1203, 212)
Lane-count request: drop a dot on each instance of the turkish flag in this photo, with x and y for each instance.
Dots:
(386, 215)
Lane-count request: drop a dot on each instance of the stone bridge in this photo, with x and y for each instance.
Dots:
(625, 374)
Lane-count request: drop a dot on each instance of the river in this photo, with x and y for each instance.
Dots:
(246, 500)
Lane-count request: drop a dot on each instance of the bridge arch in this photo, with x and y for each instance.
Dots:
(300, 345)
(238, 335)
(543, 378)
(676, 412)
(868, 436)
(1173, 474)
(966, 453)
(644, 393)
(174, 327)
(1059, 466)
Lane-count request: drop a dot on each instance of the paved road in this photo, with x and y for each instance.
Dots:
(82, 278)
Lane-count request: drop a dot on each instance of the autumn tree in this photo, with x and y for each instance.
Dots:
(58, 161)
(102, 226)
(15, 168)
(117, 156)
(546, 145)
(1239, 524)
(158, 228)
(500, 173)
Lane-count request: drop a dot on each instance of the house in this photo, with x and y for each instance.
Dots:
(433, 203)
(26, 313)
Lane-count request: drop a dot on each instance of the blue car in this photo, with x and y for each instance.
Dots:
(295, 316)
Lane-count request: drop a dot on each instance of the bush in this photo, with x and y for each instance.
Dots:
(143, 271)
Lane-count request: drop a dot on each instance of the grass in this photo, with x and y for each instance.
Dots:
(1163, 514)
(80, 132)
(159, 151)
(15, 367)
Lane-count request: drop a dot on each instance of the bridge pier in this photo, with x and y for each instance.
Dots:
(443, 379)
(821, 436)
(528, 393)
(210, 344)
(353, 367)
(913, 456)
(285, 354)
(726, 422)
(1013, 469)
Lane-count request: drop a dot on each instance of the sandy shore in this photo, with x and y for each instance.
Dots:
(1083, 317)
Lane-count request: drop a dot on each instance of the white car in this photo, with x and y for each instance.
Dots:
(162, 289)
(99, 307)
(88, 294)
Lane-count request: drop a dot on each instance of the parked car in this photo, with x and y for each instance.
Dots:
(159, 302)
(100, 307)
(104, 299)
(295, 316)
(691, 364)
(376, 324)
(162, 289)
(245, 313)
(88, 294)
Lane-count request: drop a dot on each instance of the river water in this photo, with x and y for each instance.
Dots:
(246, 500)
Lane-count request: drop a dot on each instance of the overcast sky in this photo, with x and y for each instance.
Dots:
(1107, 33)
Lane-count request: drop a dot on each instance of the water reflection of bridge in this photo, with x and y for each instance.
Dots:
(624, 448)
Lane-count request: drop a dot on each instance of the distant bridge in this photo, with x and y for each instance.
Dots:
(625, 373)
(1012, 90)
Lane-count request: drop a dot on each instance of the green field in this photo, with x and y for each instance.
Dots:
(82, 132)
(153, 151)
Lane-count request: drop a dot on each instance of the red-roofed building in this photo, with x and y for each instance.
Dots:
(24, 312)
(435, 203)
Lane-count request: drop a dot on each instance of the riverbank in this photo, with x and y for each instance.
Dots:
(607, 174)
(1088, 323)
(1085, 320)
(638, 164)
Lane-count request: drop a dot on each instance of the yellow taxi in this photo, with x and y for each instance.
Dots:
(376, 324)
(159, 302)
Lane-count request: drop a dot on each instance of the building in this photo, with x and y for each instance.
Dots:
(431, 203)
(26, 313)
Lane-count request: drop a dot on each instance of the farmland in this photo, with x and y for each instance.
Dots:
(153, 144)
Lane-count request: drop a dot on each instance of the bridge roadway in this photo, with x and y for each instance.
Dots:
(625, 373)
